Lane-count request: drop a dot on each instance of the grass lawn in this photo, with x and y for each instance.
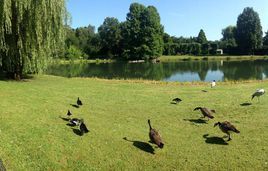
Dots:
(33, 137)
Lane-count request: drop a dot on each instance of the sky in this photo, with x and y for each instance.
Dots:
(179, 17)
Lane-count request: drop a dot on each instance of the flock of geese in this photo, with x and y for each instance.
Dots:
(155, 137)
(76, 121)
(226, 127)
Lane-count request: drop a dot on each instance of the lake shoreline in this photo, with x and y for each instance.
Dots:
(165, 58)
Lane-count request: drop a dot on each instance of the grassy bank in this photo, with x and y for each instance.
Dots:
(166, 58)
(33, 137)
(188, 57)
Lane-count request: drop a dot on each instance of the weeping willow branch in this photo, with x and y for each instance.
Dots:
(31, 32)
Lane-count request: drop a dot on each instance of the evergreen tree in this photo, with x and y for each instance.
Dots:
(201, 38)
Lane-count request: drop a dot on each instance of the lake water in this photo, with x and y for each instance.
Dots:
(167, 71)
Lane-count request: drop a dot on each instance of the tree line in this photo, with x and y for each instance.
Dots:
(133, 39)
(139, 37)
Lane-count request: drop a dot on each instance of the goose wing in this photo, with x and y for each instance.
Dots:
(207, 112)
(155, 137)
(229, 127)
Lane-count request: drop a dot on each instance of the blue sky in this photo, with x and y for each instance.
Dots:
(179, 17)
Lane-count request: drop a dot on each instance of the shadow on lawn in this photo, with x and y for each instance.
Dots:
(65, 119)
(142, 146)
(197, 121)
(77, 132)
(214, 140)
(245, 104)
(5, 76)
(74, 105)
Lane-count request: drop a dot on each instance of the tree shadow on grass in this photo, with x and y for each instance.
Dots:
(142, 146)
(74, 105)
(197, 121)
(4, 76)
(173, 103)
(245, 104)
(214, 140)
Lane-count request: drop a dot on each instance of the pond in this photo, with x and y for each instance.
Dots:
(194, 70)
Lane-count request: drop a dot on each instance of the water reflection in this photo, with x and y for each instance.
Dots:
(168, 71)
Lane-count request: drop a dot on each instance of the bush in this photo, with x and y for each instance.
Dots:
(73, 53)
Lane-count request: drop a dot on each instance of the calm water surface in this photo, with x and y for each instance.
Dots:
(167, 71)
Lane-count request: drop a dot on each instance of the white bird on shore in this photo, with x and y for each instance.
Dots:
(258, 93)
(213, 84)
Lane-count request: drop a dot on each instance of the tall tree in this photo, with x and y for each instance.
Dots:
(265, 39)
(142, 33)
(30, 33)
(110, 36)
(249, 31)
(228, 37)
(201, 38)
(131, 31)
(84, 34)
(152, 33)
(228, 33)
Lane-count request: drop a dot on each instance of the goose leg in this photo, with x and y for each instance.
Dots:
(229, 137)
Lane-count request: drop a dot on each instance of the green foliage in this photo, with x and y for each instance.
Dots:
(110, 36)
(201, 38)
(31, 32)
(228, 33)
(205, 48)
(213, 48)
(265, 39)
(73, 53)
(142, 33)
(71, 38)
(84, 35)
(249, 31)
(85, 39)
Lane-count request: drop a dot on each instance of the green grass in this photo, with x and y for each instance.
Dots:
(220, 57)
(33, 137)
(75, 61)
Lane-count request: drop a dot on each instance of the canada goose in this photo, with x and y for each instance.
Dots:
(177, 100)
(213, 84)
(258, 93)
(79, 102)
(227, 127)
(206, 112)
(83, 127)
(155, 136)
(69, 113)
(75, 121)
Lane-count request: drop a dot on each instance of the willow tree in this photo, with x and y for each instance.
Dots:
(31, 32)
